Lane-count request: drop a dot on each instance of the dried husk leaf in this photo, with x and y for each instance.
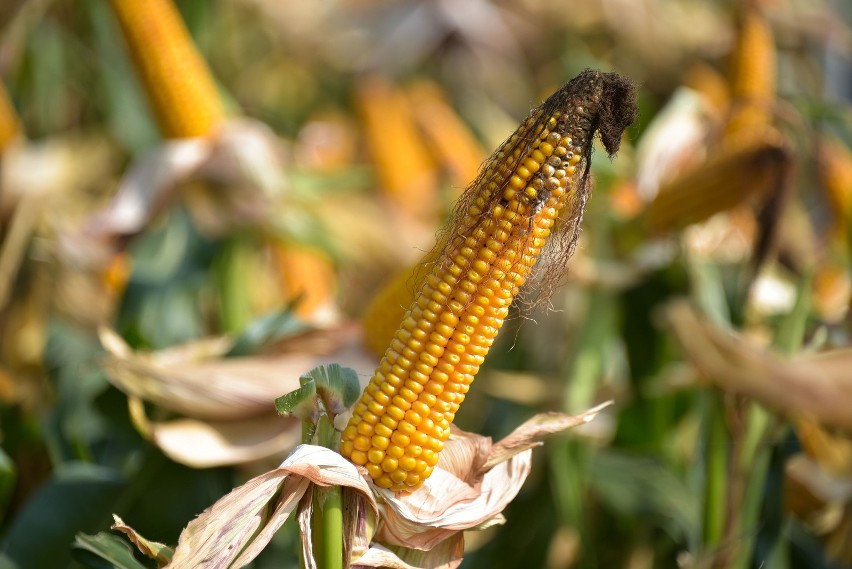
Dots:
(446, 555)
(207, 444)
(818, 387)
(530, 433)
(233, 531)
(160, 552)
(244, 155)
(472, 484)
(194, 380)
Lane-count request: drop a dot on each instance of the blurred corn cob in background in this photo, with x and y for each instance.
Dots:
(10, 126)
(750, 167)
(752, 71)
(176, 78)
(501, 223)
(404, 167)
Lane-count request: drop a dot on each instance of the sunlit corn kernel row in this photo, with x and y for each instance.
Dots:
(403, 418)
(177, 80)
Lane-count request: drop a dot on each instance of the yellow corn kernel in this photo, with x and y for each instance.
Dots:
(494, 233)
(835, 173)
(10, 126)
(176, 78)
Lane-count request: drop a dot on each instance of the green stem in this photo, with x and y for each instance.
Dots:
(716, 471)
(327, 524)
(231, 271)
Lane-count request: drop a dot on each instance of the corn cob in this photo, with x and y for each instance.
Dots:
(178, 82)
(405, 169)
(500, 226)
(10, 126)
(752, 70)
(747, 169)
(449, 138)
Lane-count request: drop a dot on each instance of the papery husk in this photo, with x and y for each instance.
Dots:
(233, 531)
(160, 552)
(817, 387)
(472, 484)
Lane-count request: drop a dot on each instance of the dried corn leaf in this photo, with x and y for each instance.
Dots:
(472, 484)
(207, 444)
(193, 379)
(817, 387)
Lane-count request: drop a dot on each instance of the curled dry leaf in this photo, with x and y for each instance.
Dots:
(233, 531)
(161, 553)
(818, 387)
(228, 415)
(472, 484)
(244, 155)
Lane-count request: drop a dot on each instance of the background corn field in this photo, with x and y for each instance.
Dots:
(158, 291)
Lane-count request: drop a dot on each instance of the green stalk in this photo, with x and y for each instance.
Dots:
(327, 520)
(755, 455)
(232, 274)
(716, 447)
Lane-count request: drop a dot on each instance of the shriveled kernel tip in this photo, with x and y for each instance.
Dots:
(421, 408)
(408, 395)
(406, 428)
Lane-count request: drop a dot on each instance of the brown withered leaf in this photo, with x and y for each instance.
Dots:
(818, 387)
(245, 155)
(530, 433)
